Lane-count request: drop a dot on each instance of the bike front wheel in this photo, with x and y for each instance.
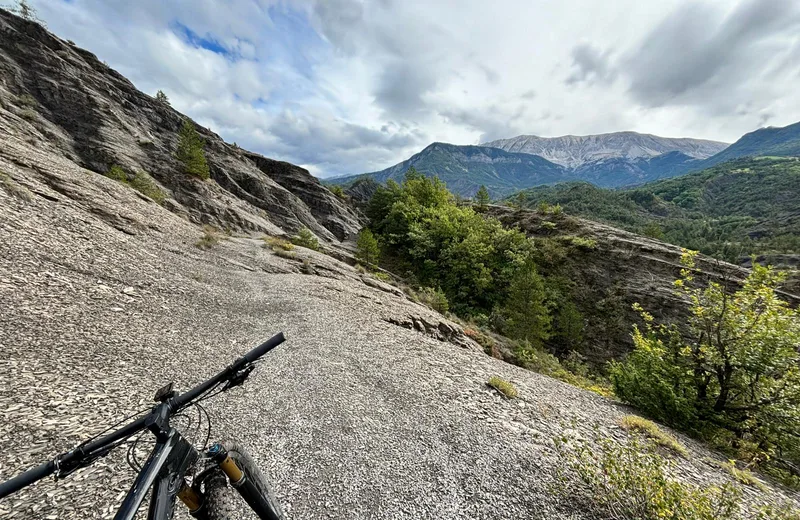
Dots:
(221, 502)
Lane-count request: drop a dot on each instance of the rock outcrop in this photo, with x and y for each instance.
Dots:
(62, 99)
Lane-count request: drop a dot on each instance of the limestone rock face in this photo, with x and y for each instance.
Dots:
(60, 98)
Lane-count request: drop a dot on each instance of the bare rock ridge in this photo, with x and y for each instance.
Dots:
(60, 98)
(576, 150)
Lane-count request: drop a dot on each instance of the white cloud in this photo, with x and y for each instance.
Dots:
(346, 86)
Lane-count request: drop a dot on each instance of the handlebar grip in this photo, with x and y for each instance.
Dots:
(265, 347)
(27, 478)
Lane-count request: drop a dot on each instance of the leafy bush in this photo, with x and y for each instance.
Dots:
(503, 386)
(305, 238)
(630, 481)
(736, 370)
(190, 151)
(433, 298)
(653, 432)
(367, 248)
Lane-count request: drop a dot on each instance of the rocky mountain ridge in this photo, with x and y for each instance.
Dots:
(574, 151)
(57, 97)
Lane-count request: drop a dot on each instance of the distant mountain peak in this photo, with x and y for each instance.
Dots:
(574, 151)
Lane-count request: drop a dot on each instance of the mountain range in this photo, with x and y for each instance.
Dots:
(574, 151)
(614, 160)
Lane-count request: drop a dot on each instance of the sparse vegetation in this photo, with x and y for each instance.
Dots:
(538, 360)
(209, 239)
(283, 253)
(13, 188)
(580, 242)
(653, 432)
(742, 475)
(190, 151)
(278, 244)
(28, 114)
(433, 298)
(305, 238)
(145, 185)
(630, 482)
(22, 9)
(503, 386)
(162, 98)
(140, 181)
(338, 191)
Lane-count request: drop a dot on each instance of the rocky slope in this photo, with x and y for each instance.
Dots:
(574, 151)
(375, 407)
(62, 99)
(612, 272)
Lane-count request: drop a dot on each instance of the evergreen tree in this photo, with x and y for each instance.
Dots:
(526, 313)
(368, 250)
(162, 98)
(482, 197)
(190, 151)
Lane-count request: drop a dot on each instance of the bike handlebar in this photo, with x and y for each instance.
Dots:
(175, 404)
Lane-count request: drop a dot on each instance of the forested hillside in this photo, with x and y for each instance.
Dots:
(730, 211)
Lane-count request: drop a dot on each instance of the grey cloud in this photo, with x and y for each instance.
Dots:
(401, 88)
(493, 122)
(590, 65)
(697, 50)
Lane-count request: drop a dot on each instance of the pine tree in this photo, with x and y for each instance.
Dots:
(482, 197)
(190, 151)
(526, 312)
(368, 250)
(161, 97)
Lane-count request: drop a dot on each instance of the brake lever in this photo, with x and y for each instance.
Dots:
(239, 377)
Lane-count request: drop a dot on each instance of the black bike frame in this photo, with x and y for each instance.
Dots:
(164, 470)
(171, 457)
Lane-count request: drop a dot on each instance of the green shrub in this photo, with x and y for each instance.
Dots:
(630, 481)
(735, 370)
(367, 248)
(503, 386)
(653, 432)
(117, 173)
(145, 185)
(305, 238)
(338, 191)
(380, 275)
(433, 298)
(482, 198)
(190, 151)
(580, 242)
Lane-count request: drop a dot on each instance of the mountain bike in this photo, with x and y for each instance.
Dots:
(200, 479)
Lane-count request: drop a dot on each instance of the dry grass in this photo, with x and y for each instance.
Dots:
(503, 386)
(653, 432)
(13, 188)
(278, 244)
(209, 239)
(743, 475)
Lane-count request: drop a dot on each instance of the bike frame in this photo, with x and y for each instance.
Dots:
(171, 457)
(164, 471)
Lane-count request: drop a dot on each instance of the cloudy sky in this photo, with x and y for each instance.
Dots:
(349, 86)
